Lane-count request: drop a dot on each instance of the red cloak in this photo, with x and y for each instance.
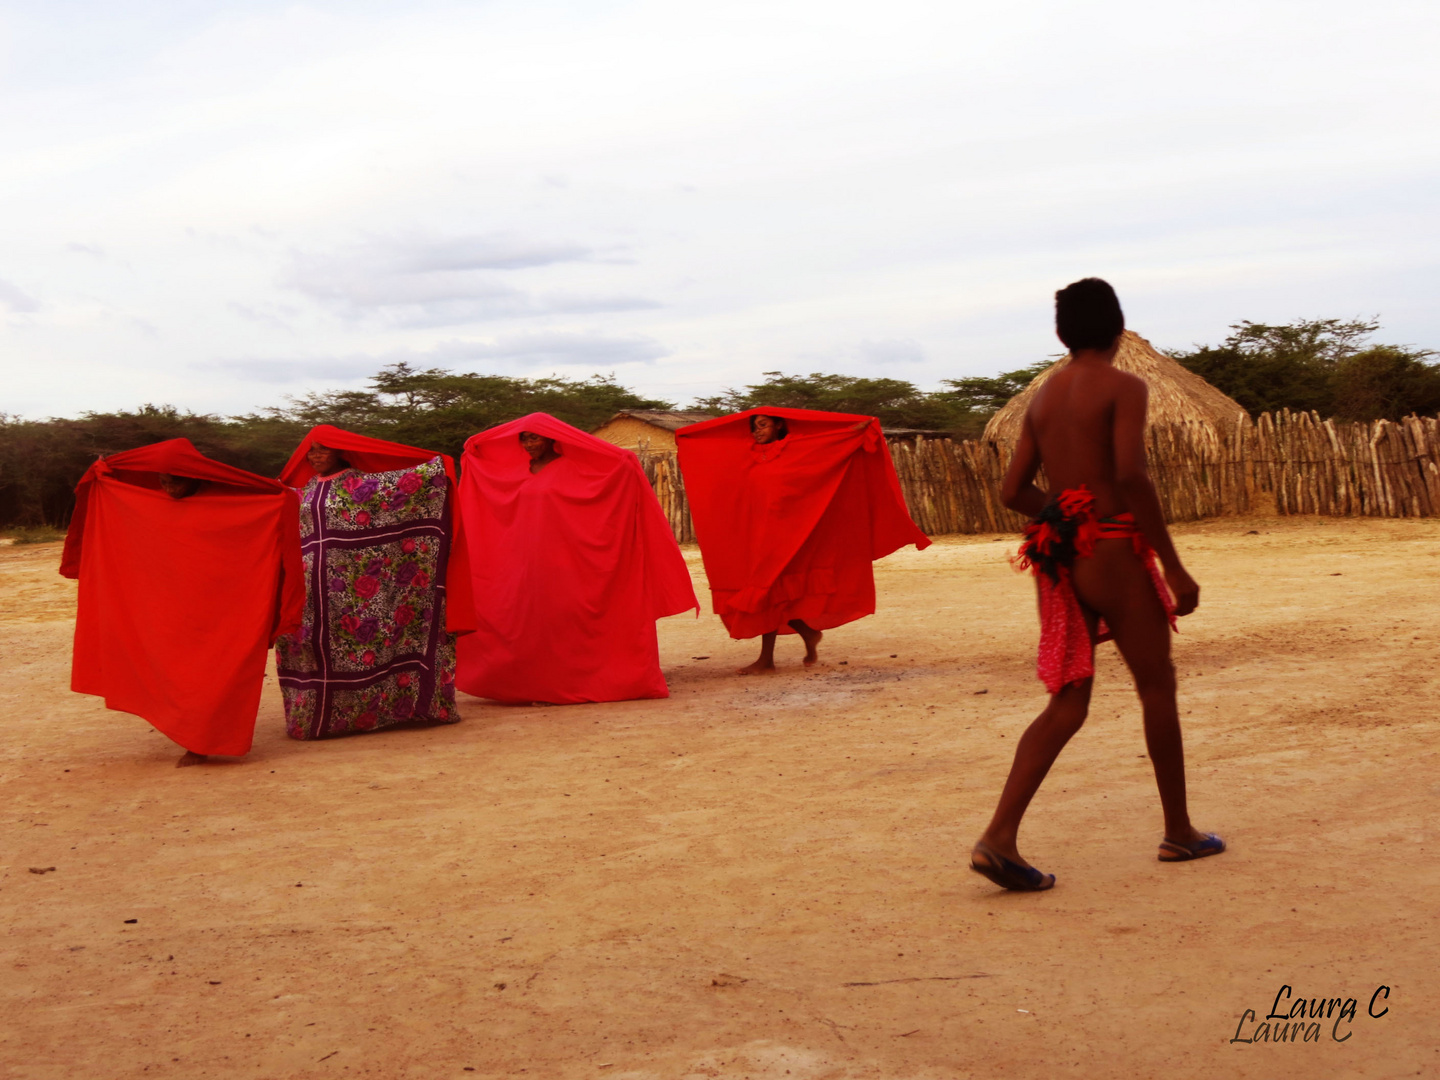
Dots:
(574, 565)
(788, 530)
(378, 455)
(180, 598)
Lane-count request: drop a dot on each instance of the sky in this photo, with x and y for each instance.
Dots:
(216, 205)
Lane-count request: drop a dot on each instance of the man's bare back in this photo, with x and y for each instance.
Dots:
(1086, 427)
(1072, 420)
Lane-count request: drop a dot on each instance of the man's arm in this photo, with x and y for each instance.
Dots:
(1132, 480)
(1019, 492)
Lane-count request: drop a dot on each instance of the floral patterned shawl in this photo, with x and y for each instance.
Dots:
(372, 651)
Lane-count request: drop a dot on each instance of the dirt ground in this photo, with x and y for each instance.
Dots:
(759, 877)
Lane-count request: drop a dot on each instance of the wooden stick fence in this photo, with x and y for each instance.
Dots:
(662, 469)
(1283, 463)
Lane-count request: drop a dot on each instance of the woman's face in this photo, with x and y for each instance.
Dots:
(324, 460)
(765, 430)
(537, 446)
(178, 487)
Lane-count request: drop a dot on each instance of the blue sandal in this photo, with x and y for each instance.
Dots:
(1173, 852)
(1010, 875)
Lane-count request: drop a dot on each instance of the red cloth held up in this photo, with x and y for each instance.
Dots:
(181, 598)
(572, 564)
(789, 529)
(370, 455)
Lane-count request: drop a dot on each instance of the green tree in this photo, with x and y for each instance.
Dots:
(975, 399)
(1319, 364)
(42, 460)
(1386, 383)
(1290, 366)
(441, 409)
(897, 404)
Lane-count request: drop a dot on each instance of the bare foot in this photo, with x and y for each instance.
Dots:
(759, 667)
(190, 758)
(810, 637)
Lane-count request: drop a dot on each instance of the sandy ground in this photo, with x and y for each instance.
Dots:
(758, 877)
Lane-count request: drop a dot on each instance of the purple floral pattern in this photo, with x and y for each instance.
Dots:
(372, 650)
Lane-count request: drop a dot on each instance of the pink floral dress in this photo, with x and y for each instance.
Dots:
(372, 651)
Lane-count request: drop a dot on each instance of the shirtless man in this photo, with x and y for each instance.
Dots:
(1086, 426)
(768, 429)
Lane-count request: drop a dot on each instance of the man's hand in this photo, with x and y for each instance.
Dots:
(1185, 590)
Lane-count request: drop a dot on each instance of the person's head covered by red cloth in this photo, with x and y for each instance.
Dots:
(149, 467)
(575, 562)
(367, 454)
(363, 453)
(188, 569)
(790, 508)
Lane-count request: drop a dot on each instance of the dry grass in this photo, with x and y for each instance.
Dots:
(39, 534)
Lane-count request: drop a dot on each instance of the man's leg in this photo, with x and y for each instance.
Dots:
(767, 657)
(1036, 752)
(1116, 583)
(810, 636)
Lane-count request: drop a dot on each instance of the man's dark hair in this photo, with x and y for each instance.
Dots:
(1088, 315)
(782, 429)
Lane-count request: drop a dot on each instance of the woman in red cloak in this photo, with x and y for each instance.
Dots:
(386, 590)
(188, 570)
(574, 562)
(791, 507)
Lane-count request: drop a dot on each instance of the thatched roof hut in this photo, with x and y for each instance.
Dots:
(1177, 395)
(637, 429)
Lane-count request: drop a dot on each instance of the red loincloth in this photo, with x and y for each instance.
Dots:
(370, 455)
(1067, 531)
(789, 530)
(572, 566)
(180, 598)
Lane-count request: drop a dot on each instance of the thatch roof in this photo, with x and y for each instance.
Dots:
(670, 421)
(1177, 395)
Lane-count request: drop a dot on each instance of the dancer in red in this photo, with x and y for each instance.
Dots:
(791, 507)
(1093, 547)
(573, 563)
(188, 571)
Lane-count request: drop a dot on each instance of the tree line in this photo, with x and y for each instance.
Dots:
(1323, 364)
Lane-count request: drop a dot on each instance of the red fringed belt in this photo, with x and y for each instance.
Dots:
(1064, 531)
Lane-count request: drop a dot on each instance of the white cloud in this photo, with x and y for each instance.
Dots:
(445, 281)
(519, 354)
(890, 351)
(13, 298)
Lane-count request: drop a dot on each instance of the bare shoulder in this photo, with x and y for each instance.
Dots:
(1134, 383)
(1127, 386)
